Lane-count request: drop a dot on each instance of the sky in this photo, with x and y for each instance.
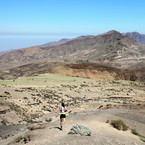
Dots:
(71, 16)
(25, 23)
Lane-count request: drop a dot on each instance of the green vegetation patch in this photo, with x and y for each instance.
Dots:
(45, 79)
(119, 124)
(18, 139)
(133, 131)
(142, 138)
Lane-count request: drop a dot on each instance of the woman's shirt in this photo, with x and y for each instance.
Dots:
(62, 110)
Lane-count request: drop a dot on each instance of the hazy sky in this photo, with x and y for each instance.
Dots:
(71, 16)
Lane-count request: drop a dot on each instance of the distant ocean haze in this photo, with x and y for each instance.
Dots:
(17, 41)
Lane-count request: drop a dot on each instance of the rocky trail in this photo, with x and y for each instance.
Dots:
(99, 121)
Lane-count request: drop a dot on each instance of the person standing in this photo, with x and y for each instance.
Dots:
(62, 110)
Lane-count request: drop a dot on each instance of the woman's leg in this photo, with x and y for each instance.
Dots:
(61, 121)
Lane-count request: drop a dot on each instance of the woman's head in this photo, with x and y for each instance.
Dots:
(62, 104)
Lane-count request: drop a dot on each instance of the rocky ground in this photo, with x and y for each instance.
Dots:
(29, 101)
(99, 122)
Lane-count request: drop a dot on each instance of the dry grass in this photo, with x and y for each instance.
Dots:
(119, 124)
(36, 127)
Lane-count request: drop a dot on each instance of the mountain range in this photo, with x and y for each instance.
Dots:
(111, 49)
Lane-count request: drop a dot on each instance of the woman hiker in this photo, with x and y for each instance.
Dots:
(62, 114)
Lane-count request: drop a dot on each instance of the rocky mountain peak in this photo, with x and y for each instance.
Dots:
(137, 36)
(113, 32)
(112, 35)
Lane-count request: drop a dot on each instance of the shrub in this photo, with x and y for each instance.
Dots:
(119, 124)
(133, 131)
(100, 106)
(81, 129)
(36, 127)
(19, 138)
(136, 133)
(142, 138)
(31, 121)
(48, 120)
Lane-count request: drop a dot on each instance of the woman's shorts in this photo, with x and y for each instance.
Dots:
(62, 116)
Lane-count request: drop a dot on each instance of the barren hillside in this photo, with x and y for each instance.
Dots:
(82, 70)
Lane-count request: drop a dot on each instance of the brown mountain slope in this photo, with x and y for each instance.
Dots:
(55, 43)
(91, 71)
(111, 48)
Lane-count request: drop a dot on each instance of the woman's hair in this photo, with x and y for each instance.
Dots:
(62, 104)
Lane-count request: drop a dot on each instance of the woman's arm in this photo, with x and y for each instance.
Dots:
(57, 109)
(65, 109)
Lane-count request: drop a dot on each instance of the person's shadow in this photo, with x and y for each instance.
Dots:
(58, 128)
